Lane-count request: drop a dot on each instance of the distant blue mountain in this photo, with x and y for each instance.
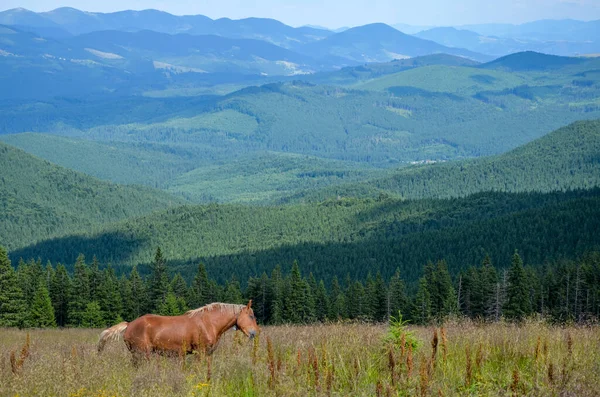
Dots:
(79, 22)
(534, 61)
(543, 30)
(379, 42)
(566, 42)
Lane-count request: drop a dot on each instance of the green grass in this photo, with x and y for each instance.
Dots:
(336, 359)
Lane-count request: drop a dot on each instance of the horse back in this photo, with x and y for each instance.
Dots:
(163, 333)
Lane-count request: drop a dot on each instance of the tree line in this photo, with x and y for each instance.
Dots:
(34, 295)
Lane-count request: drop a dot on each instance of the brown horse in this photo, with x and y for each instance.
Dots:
(197, 330)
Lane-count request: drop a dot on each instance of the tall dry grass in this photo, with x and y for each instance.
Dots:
(326, 360)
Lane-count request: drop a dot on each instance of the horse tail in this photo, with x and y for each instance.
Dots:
(113, 333)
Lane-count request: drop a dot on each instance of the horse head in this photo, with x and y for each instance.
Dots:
(246, 322)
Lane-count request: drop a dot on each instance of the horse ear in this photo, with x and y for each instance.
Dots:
(249, 304)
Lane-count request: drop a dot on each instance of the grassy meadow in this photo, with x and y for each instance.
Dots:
(339, 359)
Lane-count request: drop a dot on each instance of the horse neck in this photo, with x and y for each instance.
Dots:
(219, 321)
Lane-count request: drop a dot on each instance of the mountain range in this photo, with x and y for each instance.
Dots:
(257, 143)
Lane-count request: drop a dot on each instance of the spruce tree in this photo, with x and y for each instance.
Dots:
(159, 281)
(12, 302)
(441, 292)
(60, 293)
(200, 291)
(172, 306)
(136, 300)
(277, 303)
(109, 297)
(48, 276)
(95, 280)
(80, 296)
(422, 306)
(397, 299)
(380, 299)
(356, 301)
(518, 304)
(337, 307)
(259, 291)
(310, 288)
(488, 278)
(180, 288)
(321, 302)
(233, 291)
(295, 296)
(42, 312)
(92, 316)
(29, 276)
(370, 298)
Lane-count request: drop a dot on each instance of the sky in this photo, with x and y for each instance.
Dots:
(338, 13)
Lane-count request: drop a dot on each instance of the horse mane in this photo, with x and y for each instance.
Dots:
(231, 307)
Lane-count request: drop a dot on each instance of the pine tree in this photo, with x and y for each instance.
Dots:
(136, 300)
(259, 291)
(48, 276)
(159, 281)
(422, 305)
(92, 316)
(42, 312)
(469, 285)
(60, 293)
(277, 303)
(109, 297)
(310, 288)
(172, 306)
(79, 293)
(180, 288)
(12, 302)
(370, 298)
(200, 291)
(321, 302)
(356, 301)
(441, 292)
(233, 292)
(337, 301)
(29, 276)
(295, 296)
(518, 305)
(489, 279)
(380, 299)
(95, 280)
(397, 299)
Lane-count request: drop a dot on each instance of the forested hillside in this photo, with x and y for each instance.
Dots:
(353, 236)
(434, 108)
(40, 200)
(568, 158)
(296, 167)
(93, 295)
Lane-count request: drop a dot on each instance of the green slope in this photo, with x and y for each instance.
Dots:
(39, 200)
(128, 163)
(452, 79)
(266, 178)
(432, 112)
(347, 236)
(568, 158)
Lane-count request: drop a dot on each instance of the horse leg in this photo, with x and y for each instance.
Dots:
(208, 367)
(136, 357)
